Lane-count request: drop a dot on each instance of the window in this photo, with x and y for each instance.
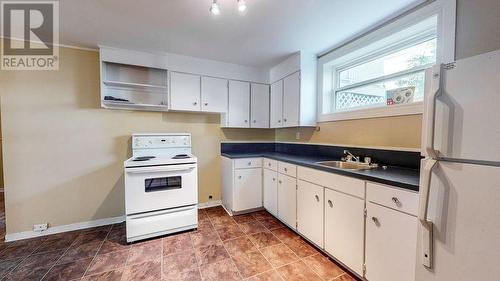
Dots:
(383, 73)
(393, 78)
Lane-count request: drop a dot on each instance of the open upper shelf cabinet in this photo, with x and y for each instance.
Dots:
(133, 87)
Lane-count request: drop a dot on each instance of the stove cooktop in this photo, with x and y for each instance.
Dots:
(141, 161)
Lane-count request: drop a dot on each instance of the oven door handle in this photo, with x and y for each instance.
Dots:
(164, 169)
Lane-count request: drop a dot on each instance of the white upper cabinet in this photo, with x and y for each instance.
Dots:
(259, 106)
(276, 108)
(184, 91)
(214, 94)
(298, 77)
(291, 100)
(238, 114)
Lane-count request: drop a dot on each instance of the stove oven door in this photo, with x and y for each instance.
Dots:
(160, 187)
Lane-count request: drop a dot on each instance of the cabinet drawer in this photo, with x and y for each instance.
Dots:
(248, 163)
(271, 164)
(393, 197)
(140, 226)
(287, 169)
(343, 184)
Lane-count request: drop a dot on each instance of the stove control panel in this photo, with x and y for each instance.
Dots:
(160, 141)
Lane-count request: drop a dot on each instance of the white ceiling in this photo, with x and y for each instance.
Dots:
(269, 31)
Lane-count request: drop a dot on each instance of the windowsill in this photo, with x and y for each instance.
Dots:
(386, 111)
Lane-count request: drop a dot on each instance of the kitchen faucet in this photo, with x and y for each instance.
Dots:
(347, 152)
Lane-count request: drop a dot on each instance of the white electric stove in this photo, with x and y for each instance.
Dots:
(161, 186)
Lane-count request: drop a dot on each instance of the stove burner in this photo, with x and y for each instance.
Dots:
(143, 158)
(180, 156)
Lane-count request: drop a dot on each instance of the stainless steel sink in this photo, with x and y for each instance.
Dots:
(347, 165)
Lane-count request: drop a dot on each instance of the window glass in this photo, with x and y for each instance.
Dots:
(402, 90)
(410, 57)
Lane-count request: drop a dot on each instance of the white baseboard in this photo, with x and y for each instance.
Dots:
(82, 225)
(209, 204)
(63, 228)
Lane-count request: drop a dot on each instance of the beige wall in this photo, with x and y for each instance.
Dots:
(401, 131)
(64, 154)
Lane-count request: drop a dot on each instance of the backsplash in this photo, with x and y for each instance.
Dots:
(403, 159)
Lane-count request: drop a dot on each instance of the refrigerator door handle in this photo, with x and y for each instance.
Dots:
(427, 225)
(434, 75)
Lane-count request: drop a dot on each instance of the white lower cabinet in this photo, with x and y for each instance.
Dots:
(391, 239)
(345, 228)
(329, 210)
(270, 184)
(287, 200)
(247, 190)
(241, 184)
(310, 206)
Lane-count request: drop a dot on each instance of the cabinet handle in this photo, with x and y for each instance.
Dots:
(286, 170)
(317, 197)
(255, 121)
(330, 203)
(396, 201)
(279, 182)
(239, 177)
(284, 120)
(249, 163)
(375, 221)
(206, 103)
(269, 164)
(195, 103)
(246, 121)
(279, 121)
(274, 179)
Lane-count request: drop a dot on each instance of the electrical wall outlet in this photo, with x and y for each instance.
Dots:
(40, 227)
(210, 197)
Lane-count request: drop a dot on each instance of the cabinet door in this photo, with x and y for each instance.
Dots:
(310, 211)
(391, 239)
(345, 228)
(259, 106)
(271, 191)
(247, 189)
(291, 100)
(287, 200)
(239, 104)
(184, 91)
(276, 113)
(214, 94)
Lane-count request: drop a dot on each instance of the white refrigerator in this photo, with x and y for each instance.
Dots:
(459, 212)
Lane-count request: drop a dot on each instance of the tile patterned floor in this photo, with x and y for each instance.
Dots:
(248, 247)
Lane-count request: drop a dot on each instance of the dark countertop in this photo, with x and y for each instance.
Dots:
(395, 176)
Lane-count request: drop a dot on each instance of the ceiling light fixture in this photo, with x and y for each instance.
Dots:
(242, 6)
(214, 9)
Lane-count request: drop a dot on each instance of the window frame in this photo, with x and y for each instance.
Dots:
(351, 54)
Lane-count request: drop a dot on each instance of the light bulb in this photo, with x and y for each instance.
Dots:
(214, 9)
(242, 6)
